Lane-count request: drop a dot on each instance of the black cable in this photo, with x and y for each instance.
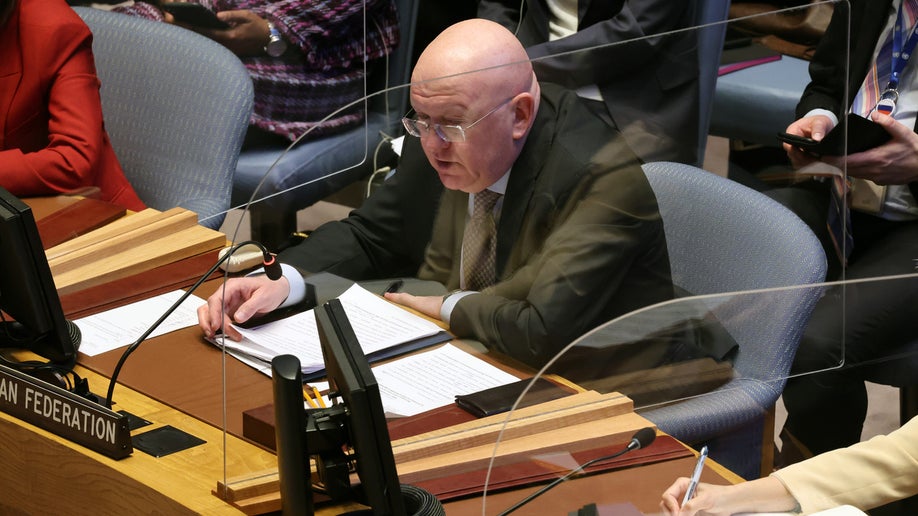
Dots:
(642, 438)
(268, 259)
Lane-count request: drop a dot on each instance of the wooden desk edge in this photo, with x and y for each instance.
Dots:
(44, 473)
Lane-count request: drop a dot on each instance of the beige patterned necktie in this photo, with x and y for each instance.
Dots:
(479, 243)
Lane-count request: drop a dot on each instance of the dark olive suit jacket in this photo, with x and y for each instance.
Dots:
(580, 239)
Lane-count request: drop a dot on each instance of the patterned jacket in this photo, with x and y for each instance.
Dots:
(323, 68)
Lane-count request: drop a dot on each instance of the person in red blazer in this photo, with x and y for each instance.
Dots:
(52, 140)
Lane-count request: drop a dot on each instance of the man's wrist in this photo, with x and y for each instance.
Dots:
(824, 112)
(449, 303)
(445, 296)
(297, 285)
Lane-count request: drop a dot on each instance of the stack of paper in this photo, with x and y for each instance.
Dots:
(384, 330)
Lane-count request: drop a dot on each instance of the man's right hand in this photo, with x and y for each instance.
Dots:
(238, 300)
(815, 127)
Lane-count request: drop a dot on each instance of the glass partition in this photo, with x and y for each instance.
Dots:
(744, 277)
(706, 370)
(703, 345)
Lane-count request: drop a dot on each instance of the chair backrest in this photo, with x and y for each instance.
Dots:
(724, 237)
(399, 65)
(710, 46)
(176, 106)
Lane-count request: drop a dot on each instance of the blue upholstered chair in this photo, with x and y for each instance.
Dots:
(723, 237)
(756, 103)
(176, 105)
(314, 169)
(710, 17)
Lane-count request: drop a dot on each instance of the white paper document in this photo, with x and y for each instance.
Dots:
(122, 326)
(425, 381)
(378, 324)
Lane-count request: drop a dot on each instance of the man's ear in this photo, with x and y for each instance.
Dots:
(524, 110)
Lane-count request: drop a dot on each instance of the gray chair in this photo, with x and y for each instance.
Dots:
(314, 169)
(723, 237)
(711, 18)
(754, 104)
(176, 105)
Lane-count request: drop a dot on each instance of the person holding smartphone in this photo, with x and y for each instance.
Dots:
(859, 323)
(305, 57)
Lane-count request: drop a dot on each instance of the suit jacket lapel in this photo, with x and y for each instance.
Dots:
(520, 188)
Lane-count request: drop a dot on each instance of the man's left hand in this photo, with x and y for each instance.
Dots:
(427, 305)
(893, 163)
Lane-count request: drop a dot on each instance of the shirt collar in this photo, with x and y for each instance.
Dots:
(500, 186)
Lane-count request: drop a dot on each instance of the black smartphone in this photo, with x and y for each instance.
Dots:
(798, 141)
(193, 14)
(863, 134)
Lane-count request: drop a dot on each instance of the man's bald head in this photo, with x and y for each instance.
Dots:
(474, 78)
(480, 51)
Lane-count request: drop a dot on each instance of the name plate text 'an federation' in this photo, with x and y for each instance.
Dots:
(64, 414)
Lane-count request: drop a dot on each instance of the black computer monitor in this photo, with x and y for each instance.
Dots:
(32, 316)
(350, 377)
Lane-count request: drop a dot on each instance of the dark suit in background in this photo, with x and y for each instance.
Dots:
(436, 15)
(827, 410)
(649, 87)
(579, 239)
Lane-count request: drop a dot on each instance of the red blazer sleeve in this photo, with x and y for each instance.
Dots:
(53, 135)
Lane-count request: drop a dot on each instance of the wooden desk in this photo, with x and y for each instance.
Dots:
(640, 486)
(179, 375)
(185, 353)
(44, 474)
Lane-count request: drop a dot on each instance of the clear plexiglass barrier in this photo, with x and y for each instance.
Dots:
(706, 370)
(699, 103)
(668, 261)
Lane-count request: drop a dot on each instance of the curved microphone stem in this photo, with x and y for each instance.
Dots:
(130, 349)
(641, 439)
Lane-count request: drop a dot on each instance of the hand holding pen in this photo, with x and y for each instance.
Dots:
(696, 475)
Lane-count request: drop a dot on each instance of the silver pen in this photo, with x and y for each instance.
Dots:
(696, 475)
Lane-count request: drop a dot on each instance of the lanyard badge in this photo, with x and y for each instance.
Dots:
(900, 56)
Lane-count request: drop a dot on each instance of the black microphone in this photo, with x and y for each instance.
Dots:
(272, 267)
(272, 270)
(642, 438)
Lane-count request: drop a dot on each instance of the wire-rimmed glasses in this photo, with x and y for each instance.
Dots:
(447, 133)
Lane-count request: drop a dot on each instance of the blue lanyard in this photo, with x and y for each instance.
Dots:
(900, 55)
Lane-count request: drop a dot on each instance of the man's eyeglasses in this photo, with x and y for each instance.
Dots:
(447, 133)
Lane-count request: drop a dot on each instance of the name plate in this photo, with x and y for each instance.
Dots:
(64, 414)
